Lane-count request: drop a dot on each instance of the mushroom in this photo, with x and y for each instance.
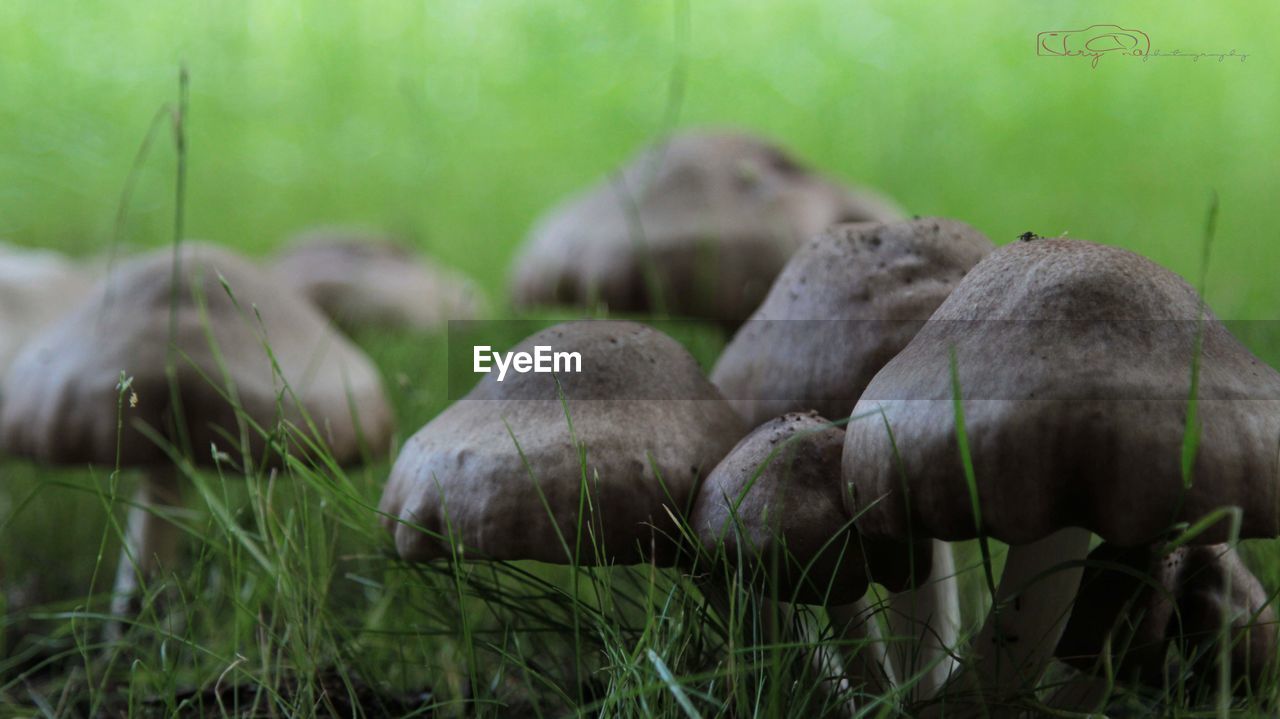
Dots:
(776, 497)
(1134, 603)
(208, 357)
(1218, 591)
(36, 287)
(844, 305)
(773, 509)
(698, 225)
(363, 279)
(1075, 364)
(502, 473)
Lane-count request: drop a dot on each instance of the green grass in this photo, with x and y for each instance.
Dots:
(456, 124)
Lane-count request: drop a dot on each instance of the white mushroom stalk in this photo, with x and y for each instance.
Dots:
(1030, 609)
(863, 661)
(924, 624)
(151, 541)
(919, 654)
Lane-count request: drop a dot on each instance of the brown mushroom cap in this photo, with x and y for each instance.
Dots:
(1074, 360)
(844, 305)
(1182, 600)
(362, 279)
(1214, 581)
(36, 287)
(711, 216)
(61, 397)
(776, 498)
(651, 425)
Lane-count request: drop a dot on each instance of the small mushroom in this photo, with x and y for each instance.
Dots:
(776, 498)
(698, 225)
(1135, 603)
(64, 396)
(364, 280)
(773, 509)
(36, 287)
(1217, 590)
(503, 472)
(844, 305)
(1074, 361)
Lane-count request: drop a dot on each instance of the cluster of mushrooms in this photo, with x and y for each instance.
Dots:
(891, 386)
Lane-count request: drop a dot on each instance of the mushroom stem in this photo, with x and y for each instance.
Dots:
(923, 625)
(923, 628)
(151, 540)
(1031, 608)
(861, 649)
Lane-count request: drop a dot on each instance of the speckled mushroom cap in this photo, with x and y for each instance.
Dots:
(61, 398)
(500, 474)
(36, 287)
(363, 279)
(843, 306)
(711, 217)
(1145, 601)
(774, 500)
(1074, 360)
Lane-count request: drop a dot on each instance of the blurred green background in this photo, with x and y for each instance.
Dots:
(457, 122)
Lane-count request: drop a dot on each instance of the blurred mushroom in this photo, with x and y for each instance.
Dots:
(698, 225)
(1075, 364)
(773, 509)
(844, 305)
(209, 357)
(363, 279)
(502, 474)
(36, 287)
(1134, 603)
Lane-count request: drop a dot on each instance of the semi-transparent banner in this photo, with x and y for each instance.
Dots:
(828, 360)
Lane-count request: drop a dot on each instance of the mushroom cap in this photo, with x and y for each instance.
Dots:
(711, 217)
(36, 287)
(1074, 360)
(498, 473)
(1215, 581)
(61, 397)
(362, 279)
(1181, 600)
(844, 305)
(776, 497)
